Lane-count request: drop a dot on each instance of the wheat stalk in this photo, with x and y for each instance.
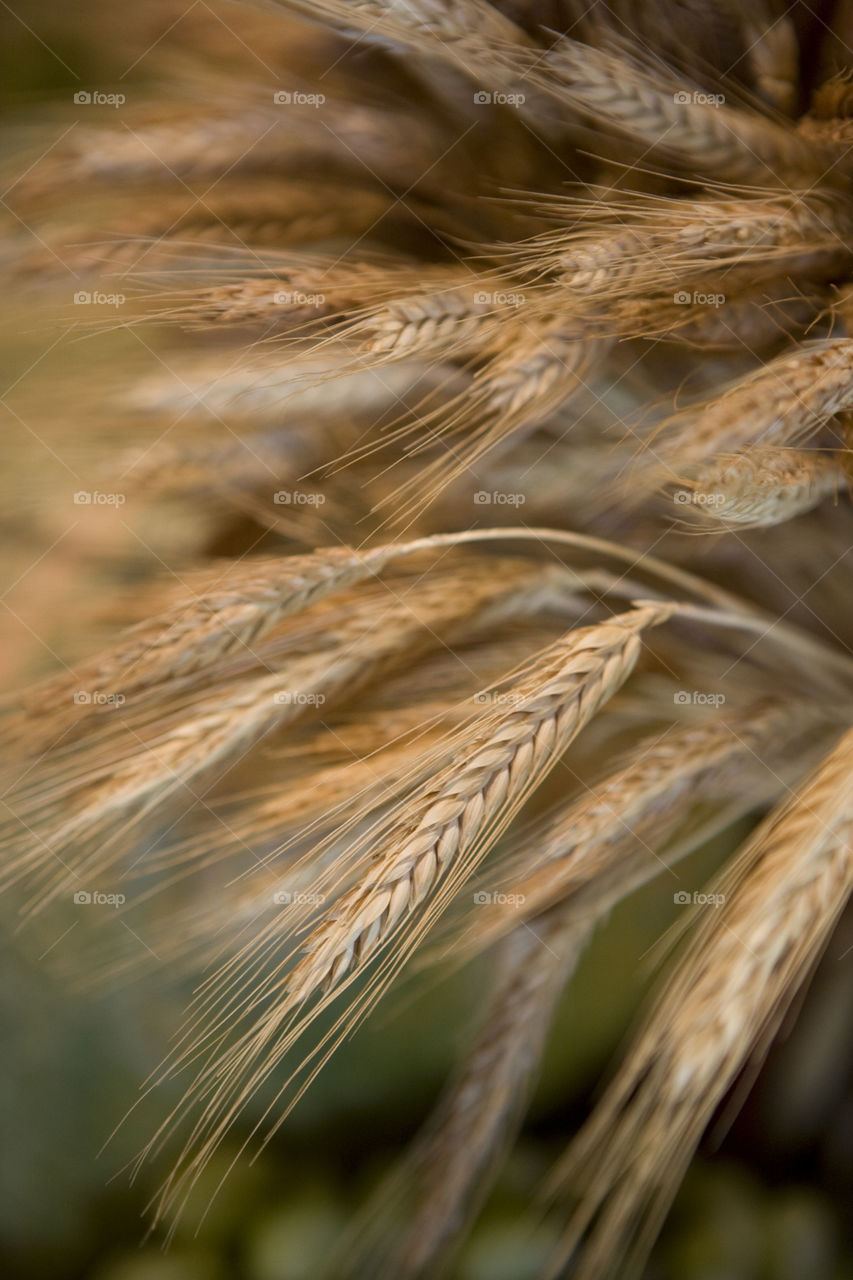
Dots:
(453, 1161)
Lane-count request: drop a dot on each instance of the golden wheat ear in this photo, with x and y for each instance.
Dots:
(777, 905)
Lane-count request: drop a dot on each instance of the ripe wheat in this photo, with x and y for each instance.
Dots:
(476, 421)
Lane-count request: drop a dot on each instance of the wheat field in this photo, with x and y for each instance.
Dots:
(429, 437)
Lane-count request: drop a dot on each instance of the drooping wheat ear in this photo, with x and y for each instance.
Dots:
(409, 866)
(762, 487)
(294, 297)
(74, 811)
(746, 961)
(666, 243)
(452, 1163)
(451, 30)
(407, 309)
(536, 375)
(225, 613)
(593, 83)
(605, 843)
(437, 323)
(714, 139)
(784, 401)
(466, 805)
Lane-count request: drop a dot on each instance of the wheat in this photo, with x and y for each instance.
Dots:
(207, 736)
(764, 486)
(426, 395)
(741, 972)
(785, 401)
(462, 803)
(453, 1161)
(614, 836)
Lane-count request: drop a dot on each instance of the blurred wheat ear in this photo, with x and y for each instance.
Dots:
(491, 363)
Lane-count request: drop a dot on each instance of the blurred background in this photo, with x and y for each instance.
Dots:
(768, 1198)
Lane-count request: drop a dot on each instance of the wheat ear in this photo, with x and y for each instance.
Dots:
(424, 848)
(784, 401)
(471, 798)
(602, 842)
(762, 487)
(747, 959)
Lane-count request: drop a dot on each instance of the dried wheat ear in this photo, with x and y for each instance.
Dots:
(499, 386)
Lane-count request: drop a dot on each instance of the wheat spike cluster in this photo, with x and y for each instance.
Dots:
(445, 536)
